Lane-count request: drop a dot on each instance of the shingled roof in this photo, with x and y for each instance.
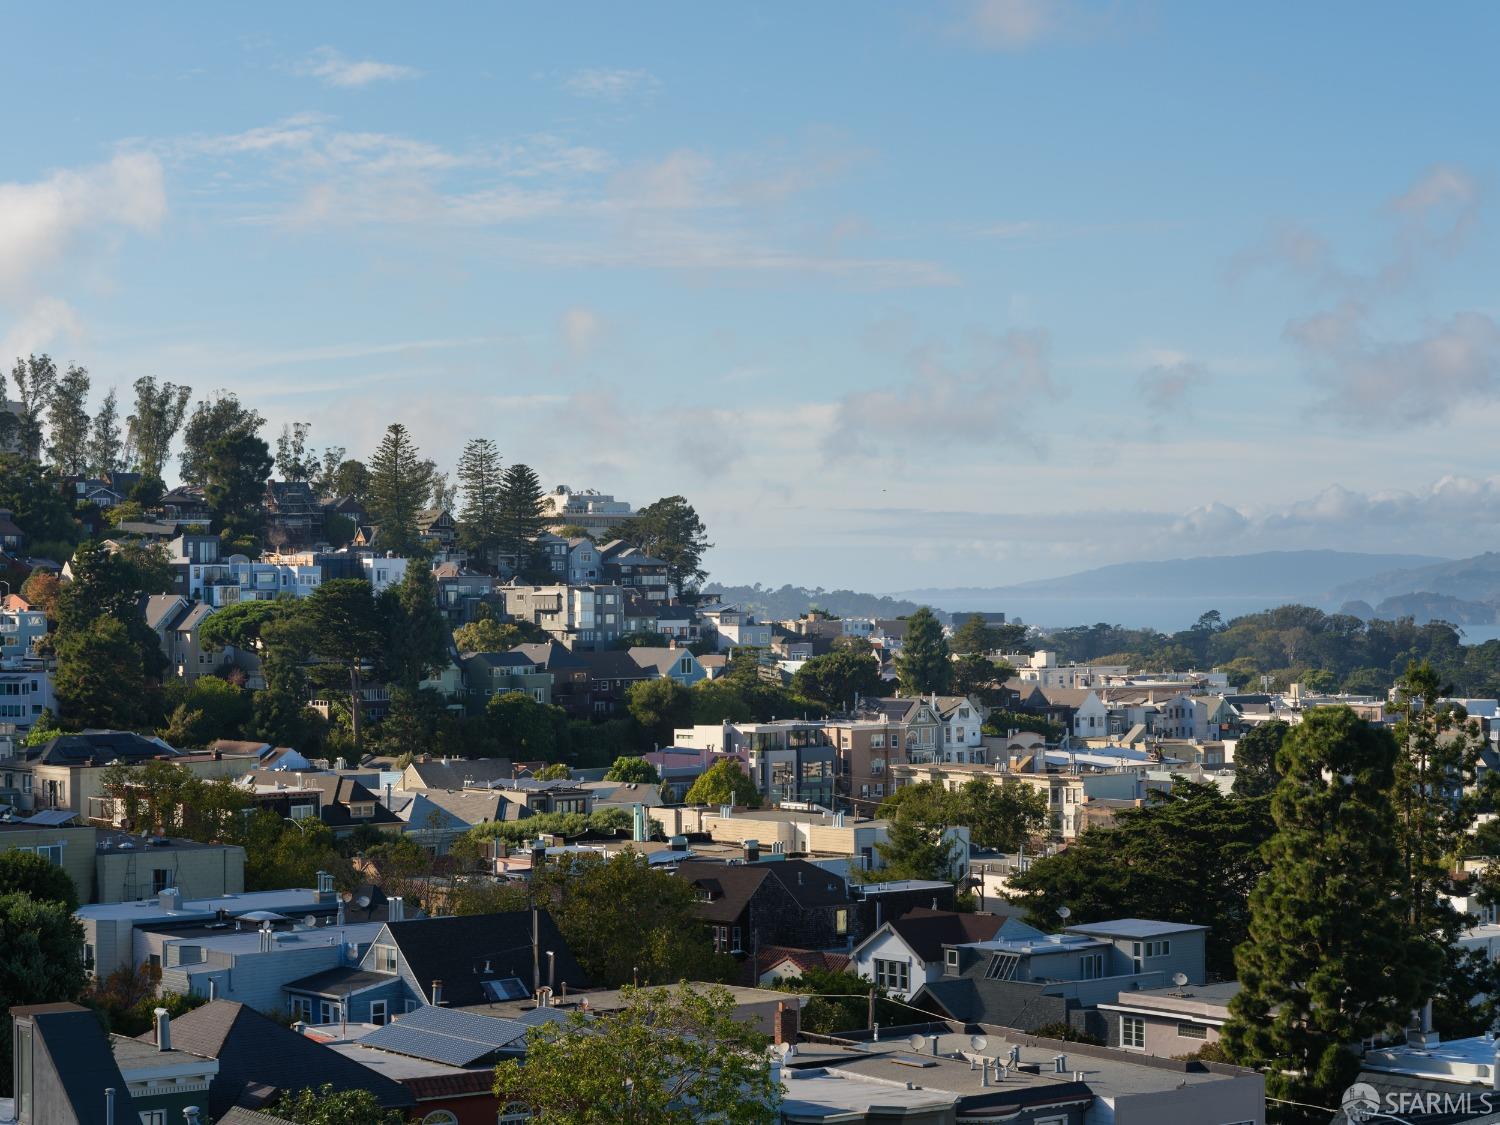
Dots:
(452, 950)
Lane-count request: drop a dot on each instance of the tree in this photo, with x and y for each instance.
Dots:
(981, 678)
(838, 678)
(480, 478)
(327, 1106)
(924, 665)
(538, 730)
(400, 482)
(68, 416)
(416, 632)
(158, 415)
(35, 499)
(974, 636)
(341, 616)
(1330, 958)
(633, 771)
(1001, 815)
(557, 771)
(294, 461)
(670, 530)
(40, 591)
(210, 708)
(1191, 855)
(723, 783)
(523, 517)
(35, 378)
(1255, 772)
(668, 1057)
(915, 849)
(105, 444)
(37, 876)
(489, 635)
(100, 681)
(349, 478)
(41, 960)
(660, 706)
(216, 420)
(234, 467)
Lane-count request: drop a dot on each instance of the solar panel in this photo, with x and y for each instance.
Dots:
(445, 1036)
(505, 988)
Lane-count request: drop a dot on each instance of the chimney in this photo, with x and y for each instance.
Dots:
(169, 899)
(213, 989)
(265, 937)
(752, 851)
(1060, 1064)
(109, 1105)
(395, 909)
(163, 1030)
(325, 887)
(437, 994)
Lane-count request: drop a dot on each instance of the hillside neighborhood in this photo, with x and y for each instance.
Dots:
(352, 784)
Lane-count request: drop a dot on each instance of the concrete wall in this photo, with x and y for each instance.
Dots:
(204, 871)
(77, 852)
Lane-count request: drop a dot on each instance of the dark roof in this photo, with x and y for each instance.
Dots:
(239, 1115)
(97, 748)
(259, 1058)
(452, 774)
(927, 931)
(734, 885)
(455, 951)
(342, 981)
(71, 1040)
(551, 655)
(613, 665)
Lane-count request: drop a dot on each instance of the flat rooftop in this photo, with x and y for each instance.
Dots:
(608, 1000)
(294, 902)
(247, 940)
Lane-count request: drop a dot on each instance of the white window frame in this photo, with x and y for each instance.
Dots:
(1132, 1033)
(382, 1009)
(893, 976)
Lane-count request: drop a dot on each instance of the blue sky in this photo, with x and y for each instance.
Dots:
(897, 295)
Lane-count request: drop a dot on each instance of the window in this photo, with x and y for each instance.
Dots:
(440, 1117)
(894, 976)
(1191, 1031)
(329, 1011)
(301, 1008)
(1133, 1032)
(841, 921)
(303, 811)
(378, 1012)
(385, 958)
(721, 939)
(514, 1114)
(950, 961)
(153, 1117)
(1093, 966)
(161, 879)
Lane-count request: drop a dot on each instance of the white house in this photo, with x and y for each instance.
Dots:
(904, 954)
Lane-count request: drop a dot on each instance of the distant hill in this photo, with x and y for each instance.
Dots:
(793, 601)
(1475, 579)
(1277, 576)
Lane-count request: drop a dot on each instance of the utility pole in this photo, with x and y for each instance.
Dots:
(870, 1020)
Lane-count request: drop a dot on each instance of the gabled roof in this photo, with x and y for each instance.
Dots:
(455, 951)
(98, 748)
(551, 656)
(734, 885)
(613, 665)
(661, 658)
(163, 610)
(342, 981)
(259, 1058)
(68, 1037)
(925, 931)
(452, 774)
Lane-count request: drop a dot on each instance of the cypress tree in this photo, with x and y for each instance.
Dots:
(1331, 958)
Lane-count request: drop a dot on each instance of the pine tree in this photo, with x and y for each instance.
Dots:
(105, 446)
(400, 482)
(924, 665)
(417, 635)
(523, 508)
(479, 476)
(1331, 958)
(69, 418)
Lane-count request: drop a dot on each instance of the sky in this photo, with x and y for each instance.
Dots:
(898, 296)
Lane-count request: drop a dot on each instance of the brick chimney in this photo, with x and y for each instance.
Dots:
(787, 1023)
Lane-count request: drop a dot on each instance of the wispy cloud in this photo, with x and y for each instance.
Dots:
(612, 85)
(1011, 25)
(1169, 386)
(334, 68)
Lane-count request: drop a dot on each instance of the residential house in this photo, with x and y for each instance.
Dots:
(294, 516)
(64, 772)
(21, 627)
(12, 538)
(905, 953)
(178, 625)
(476, 959)
(598, 513)
(429, 773)
(789, 902)
(341, 803)
(67, 1070)
(865, 751)
(487, 674)
(642, 574)
(199, 573)
(268, 579)
(586, 617)
(1036, 980)
(1170, 1022)
(789, 760)
(132, 868)
(737, 628)
(921, 726)
(384, 571)
(67, 844)
(572, 687)
(575, 561)
(557, 795)
(610, 675)
(186, 504)
(260, 1059)
(438, 529)
(461, 592)
(670, 663)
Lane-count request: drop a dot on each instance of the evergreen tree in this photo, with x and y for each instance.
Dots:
(417, 636)
(346, 630)
(159, 411)
(836, 678)
(348, 478)
(35, 378)
(100, 681)
(326, 469)
(400, 482)
(924, 665)
(522, 513)
(670, 530)
(68, 416)
(212, 422)
(974, 635)
(1255, 772)
(105, 445)
(41, 961)
(234, 467)
(479, 476)
(1331, 958)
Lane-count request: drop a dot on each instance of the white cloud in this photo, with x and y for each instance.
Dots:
(1011, 25)
(1169, 385)
(335, 69)
(41, 221)
(611, 84)
(39, 328)
(580, 329)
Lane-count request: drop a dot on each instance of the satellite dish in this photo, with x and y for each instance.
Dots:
(978, 1042)
(1064, 912)
(1179, 979)
(783, 1049)
(363, 902)
(917, 1042)
(310, 921)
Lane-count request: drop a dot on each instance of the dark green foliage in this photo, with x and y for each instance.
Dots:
(235, 466)
(723, 783)
(158, 415)
(30, 874)
(670, 530)
(521, 515)
(41, 960)
(924, 664)
(214, 421)
(100, 681)
(1331, 958)
(1067, 1033)
(839, 1002)
(981, 678)
(327, 1106)
(68, 418)
(36, 502)
(838, 678)
(105, 443)
(416, 632)
(1255, 772)
(209, 709)
(527, 729)
(633, 771)
(347, 631)
(999, 814)
(1193, 855)
(400, 483)
(660, 706)
(480, 479)
(975, 636)
(999, 723)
